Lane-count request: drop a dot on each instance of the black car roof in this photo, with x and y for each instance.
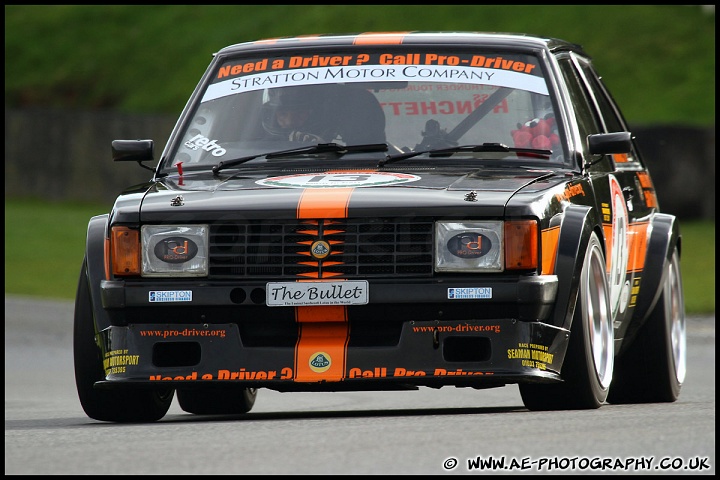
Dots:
(488, 39)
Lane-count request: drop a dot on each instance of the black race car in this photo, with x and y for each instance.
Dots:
(384, 211)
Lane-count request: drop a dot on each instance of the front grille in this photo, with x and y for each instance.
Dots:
(358, 248)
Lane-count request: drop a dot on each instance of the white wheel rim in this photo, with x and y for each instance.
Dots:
(676, 310)
(598, 317)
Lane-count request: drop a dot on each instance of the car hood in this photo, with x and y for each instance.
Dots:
(354, 193)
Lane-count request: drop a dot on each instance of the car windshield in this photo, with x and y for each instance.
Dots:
(415, 103)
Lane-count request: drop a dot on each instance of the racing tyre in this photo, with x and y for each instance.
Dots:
(136, 405)
(588, 367)
(223, 400)
(653, 368)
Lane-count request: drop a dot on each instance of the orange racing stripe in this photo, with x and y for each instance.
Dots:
(321, 350)
(380, 38)
(324, 203)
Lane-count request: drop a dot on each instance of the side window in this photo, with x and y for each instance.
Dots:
(585, 115)
(610, 116)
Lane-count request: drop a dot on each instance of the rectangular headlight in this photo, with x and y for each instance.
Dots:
(469, 246)
(174, 250)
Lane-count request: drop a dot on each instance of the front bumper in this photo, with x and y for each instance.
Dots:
(406, 336)
(473, 354)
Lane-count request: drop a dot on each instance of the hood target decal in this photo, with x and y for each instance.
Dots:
(345, 179)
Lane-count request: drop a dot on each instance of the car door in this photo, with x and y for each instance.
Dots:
(623, 189)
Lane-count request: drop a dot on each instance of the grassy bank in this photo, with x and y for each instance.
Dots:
(44, 247)
(658, 60)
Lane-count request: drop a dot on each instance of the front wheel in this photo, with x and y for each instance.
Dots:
(653, 368)
(588, 366)
(127, 405)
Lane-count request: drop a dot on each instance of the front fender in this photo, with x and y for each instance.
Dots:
(95, 257)
(577, 223)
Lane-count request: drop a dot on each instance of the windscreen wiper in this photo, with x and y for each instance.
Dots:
(485, 147)
(310, 149)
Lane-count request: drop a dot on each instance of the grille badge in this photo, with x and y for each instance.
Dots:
(320, 249)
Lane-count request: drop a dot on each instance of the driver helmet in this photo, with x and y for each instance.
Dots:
(289, 109)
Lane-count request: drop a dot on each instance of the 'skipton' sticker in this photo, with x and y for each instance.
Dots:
(170, 296)
(471, 292)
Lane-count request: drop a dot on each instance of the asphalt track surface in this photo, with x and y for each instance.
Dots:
(446, 431)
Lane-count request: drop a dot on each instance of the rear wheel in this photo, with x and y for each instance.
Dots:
(588, 367)
(135, 405)
(653, 368)
(223, 400)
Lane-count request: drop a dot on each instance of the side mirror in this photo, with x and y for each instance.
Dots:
(132, 150)
(608, 143)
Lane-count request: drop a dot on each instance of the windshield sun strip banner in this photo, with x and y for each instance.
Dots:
(517, 71)
(380, 73)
